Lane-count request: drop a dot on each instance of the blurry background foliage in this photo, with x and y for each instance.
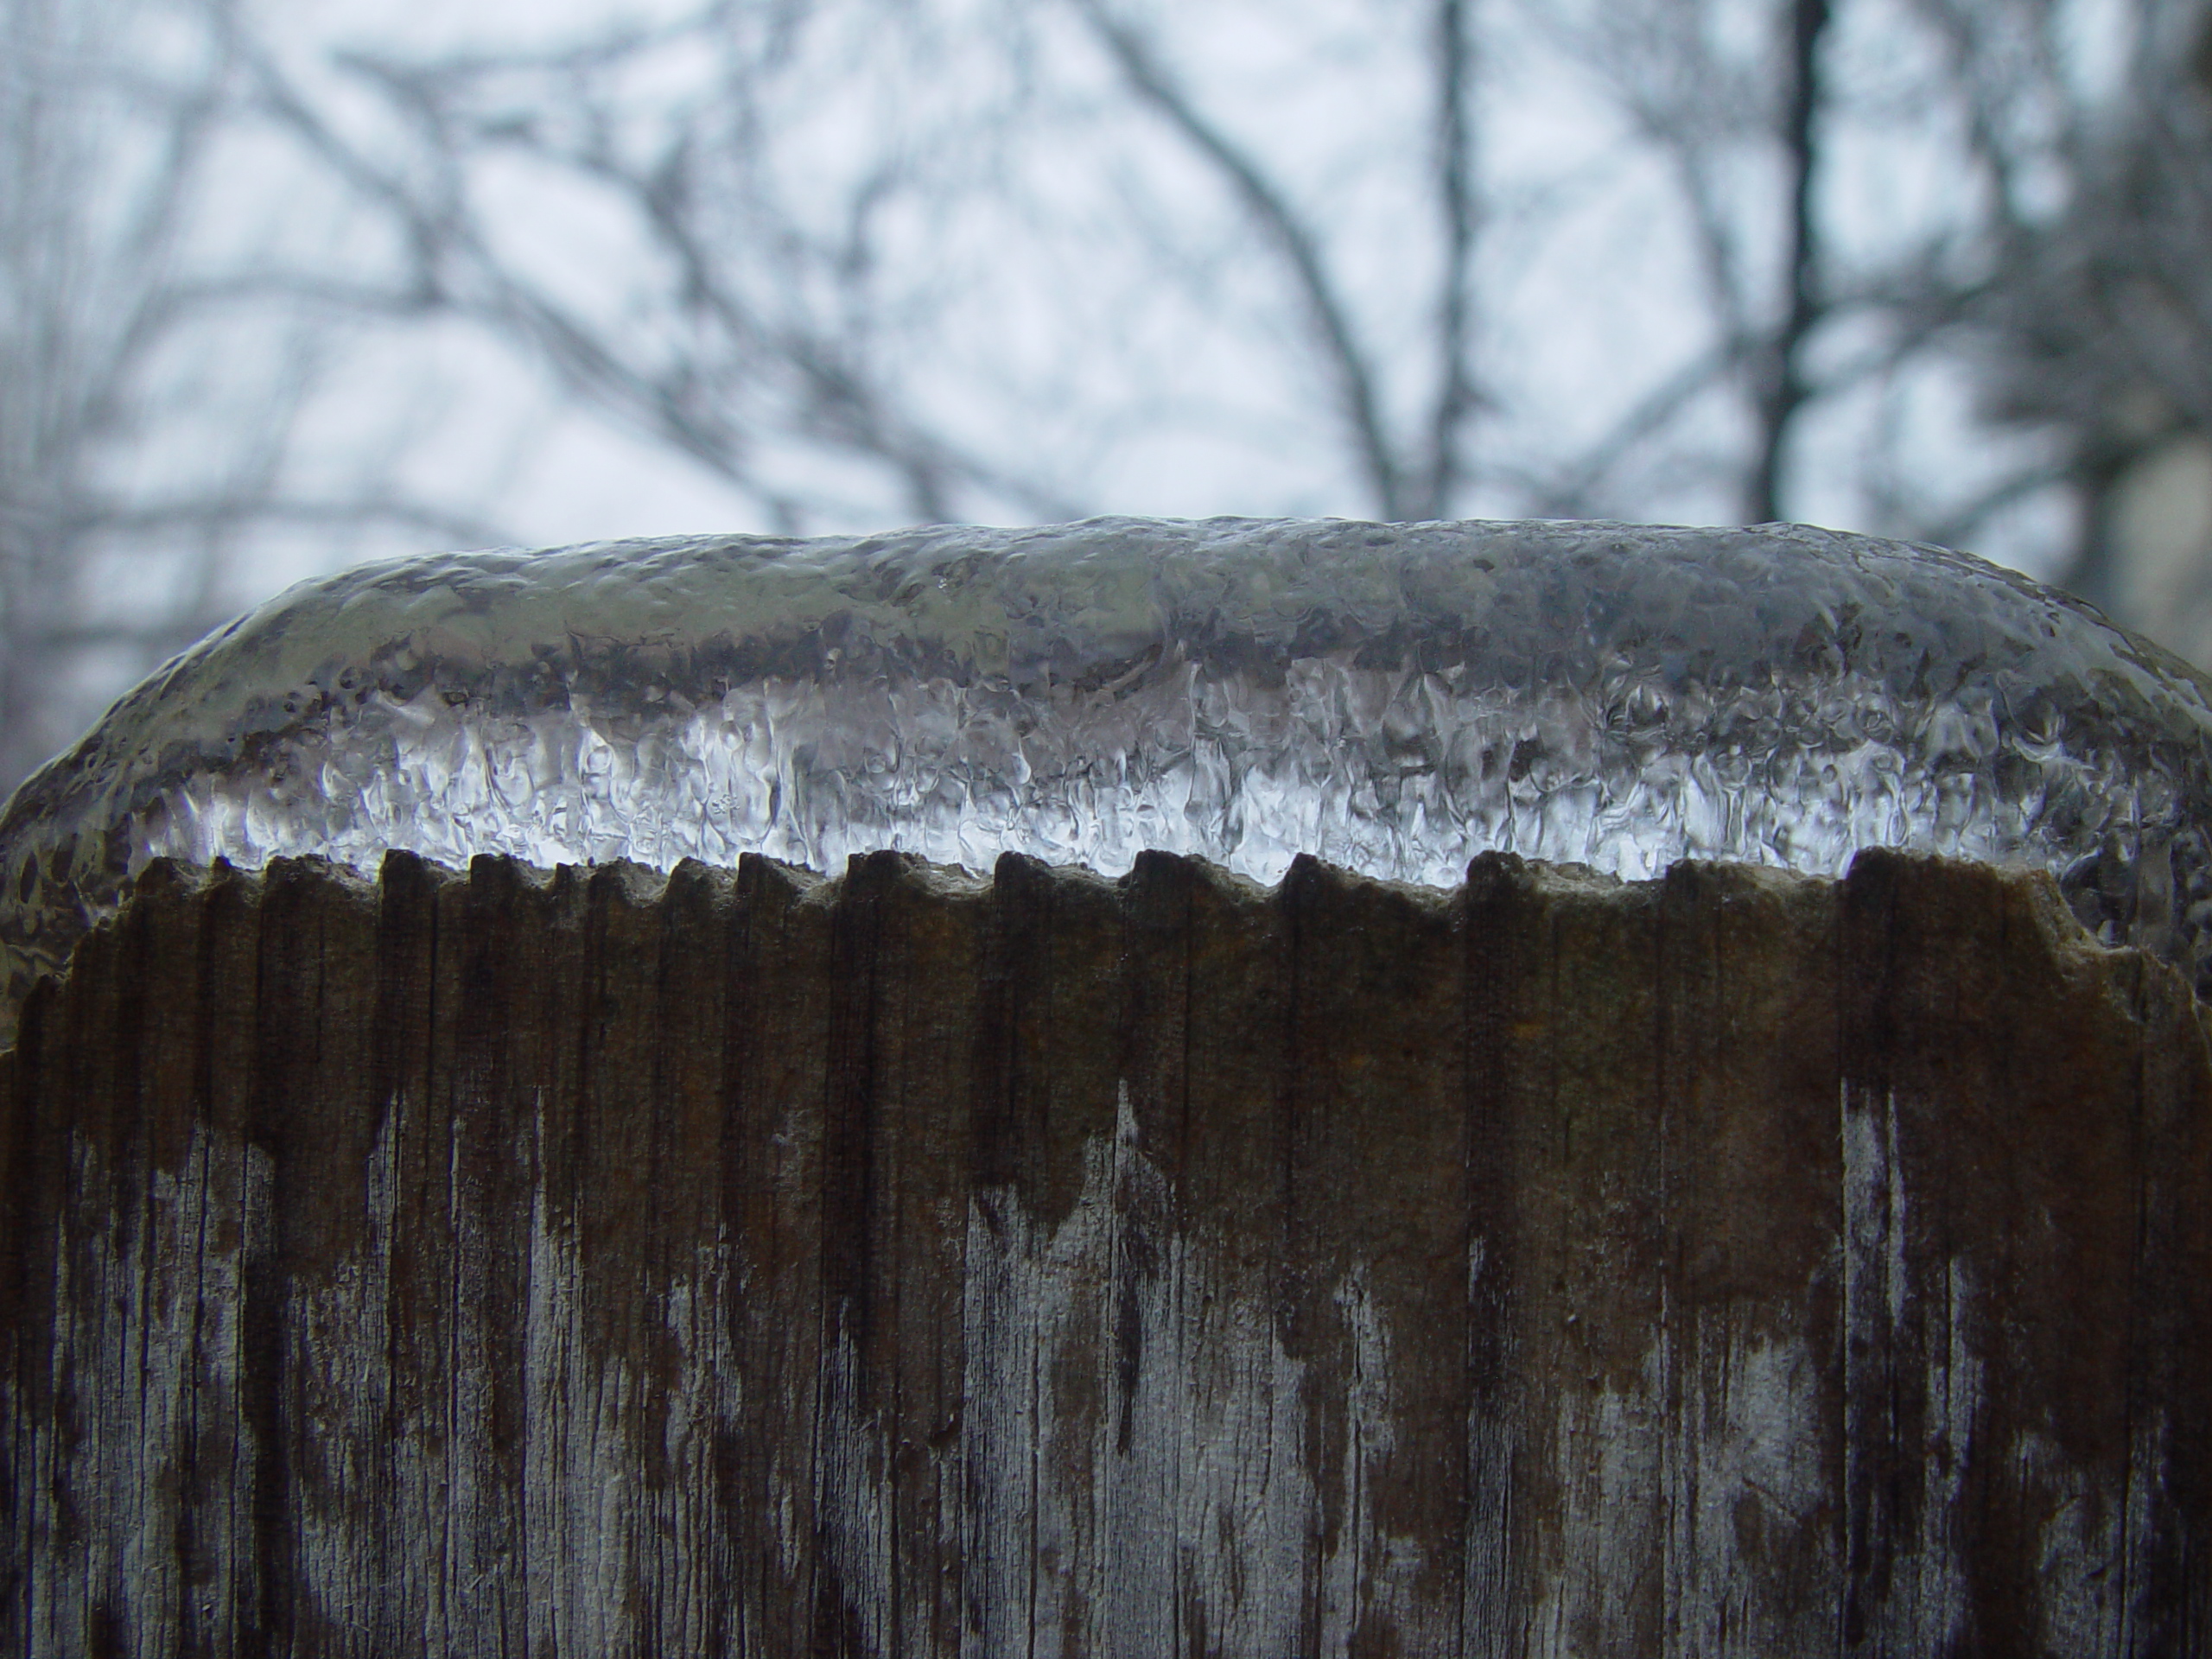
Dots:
(286, 285)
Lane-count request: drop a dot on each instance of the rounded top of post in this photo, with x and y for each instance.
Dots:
(1393, 698)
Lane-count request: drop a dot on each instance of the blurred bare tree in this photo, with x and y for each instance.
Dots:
(2065, 272)
(888, 262)
(991, 260)
(2090, 311)
(867, 261)
(146, 415)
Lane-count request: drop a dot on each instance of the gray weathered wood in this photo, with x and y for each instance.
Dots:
(909, 1264)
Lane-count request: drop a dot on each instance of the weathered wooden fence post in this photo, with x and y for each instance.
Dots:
(914, 1264)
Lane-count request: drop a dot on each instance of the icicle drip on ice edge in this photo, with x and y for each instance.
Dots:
(1393, 699)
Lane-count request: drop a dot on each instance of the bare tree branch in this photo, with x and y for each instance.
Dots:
(1456, 394)
(838, 399)
(1571, 492)
(150, 396)
(251, 509)
(1786, 390)
(1350, 367)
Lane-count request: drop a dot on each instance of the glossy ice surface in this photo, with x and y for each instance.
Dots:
(1391, 698)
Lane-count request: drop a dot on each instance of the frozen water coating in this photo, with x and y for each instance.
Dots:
(1394, 699)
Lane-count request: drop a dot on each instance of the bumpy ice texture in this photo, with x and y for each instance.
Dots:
(1394, 699)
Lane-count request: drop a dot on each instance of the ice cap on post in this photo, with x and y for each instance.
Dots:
(1391, 698)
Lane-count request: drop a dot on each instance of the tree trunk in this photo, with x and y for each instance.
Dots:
(1742, 1263)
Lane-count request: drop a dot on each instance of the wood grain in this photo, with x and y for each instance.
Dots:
(585, 1262)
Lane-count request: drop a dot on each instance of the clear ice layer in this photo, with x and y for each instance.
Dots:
(1394, 699)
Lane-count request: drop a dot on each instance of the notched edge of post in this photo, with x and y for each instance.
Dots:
(2039, 920)
(2031, 895)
